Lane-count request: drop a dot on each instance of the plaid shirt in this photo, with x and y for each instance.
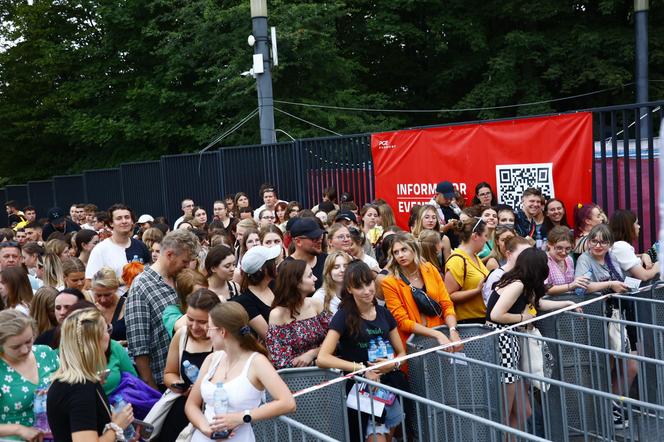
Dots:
(146, 335)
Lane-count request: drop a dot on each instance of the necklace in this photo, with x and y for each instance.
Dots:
(229, 366)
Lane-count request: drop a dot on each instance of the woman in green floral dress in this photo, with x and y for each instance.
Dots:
(24, 368)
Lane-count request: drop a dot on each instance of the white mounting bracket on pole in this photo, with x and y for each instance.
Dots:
(275, 57)
(258, 64)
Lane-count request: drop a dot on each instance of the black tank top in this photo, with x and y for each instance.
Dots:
(119, 326)
(196, 359)
(517, 308)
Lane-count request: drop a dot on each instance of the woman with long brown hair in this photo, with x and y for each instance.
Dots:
(15, 289)
(359, 320)
(298, 323)
(244, 371)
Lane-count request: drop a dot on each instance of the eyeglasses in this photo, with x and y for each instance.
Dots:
(596, 242)
(562, 249)
(484, 194)
(479, 220)
(267, 217)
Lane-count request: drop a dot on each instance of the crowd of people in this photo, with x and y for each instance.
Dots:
(115, 318)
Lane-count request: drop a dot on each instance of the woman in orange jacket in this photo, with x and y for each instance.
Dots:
(409, 272)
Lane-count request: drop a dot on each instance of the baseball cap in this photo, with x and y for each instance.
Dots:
(307, 227)
(257, 256)
(346, 215)
(56, 215)
(446, 188)
(145, 218)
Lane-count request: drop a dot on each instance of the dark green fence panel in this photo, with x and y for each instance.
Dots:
(41, 196)
(69, 190)
(195, 176)
(142, 187)
(104, 187)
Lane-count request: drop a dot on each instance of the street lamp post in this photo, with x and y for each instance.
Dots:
(261, 68)
(641, 69)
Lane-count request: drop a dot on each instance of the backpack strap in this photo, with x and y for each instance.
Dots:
(453, 255)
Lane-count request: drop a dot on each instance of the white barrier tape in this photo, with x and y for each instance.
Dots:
(445, 346)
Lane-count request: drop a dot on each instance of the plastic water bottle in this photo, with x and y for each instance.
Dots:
(41, 418)
(389, 350)
(580, 291)
(538, 239)
(118, 405)
(382, 350)
(373, 351)
(220, 404)
(191, 371)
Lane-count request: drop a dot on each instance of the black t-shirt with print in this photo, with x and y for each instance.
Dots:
(139, 250)
(355, 348)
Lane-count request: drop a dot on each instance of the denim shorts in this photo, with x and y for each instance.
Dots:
(393, 417)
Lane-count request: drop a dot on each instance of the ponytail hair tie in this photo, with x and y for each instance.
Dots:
(245, 330)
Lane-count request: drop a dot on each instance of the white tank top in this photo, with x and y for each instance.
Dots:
(242, 395)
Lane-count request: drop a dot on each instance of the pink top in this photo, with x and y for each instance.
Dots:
(556, 275)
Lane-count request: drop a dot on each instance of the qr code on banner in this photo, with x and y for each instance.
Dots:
(513, 179)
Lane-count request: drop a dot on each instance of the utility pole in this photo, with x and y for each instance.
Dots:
(641, 8)
(261, 70)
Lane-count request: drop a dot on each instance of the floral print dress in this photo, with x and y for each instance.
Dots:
(288, 341)
(17, 393)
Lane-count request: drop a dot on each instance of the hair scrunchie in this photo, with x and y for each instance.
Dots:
(245, 330)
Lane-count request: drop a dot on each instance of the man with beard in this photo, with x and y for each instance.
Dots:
(150, 293)
(308, 238)
(57, 222)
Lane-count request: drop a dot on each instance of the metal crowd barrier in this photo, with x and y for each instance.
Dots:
(479, 388)
(460, 396)
(440, 422)
(320, 415)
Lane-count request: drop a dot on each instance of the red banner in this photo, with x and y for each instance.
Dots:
(551, 153)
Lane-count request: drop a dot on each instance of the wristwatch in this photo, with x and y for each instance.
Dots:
(247, 416)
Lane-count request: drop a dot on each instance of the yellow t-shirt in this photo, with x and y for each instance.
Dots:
(458, 264)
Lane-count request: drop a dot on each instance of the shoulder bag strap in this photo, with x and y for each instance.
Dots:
(464, 263)
(182, 344)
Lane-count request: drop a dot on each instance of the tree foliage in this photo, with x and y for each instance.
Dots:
(93, 83)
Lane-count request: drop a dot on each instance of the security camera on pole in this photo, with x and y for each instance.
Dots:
(260, 70)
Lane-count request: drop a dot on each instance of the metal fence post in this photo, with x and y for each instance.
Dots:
(299, 167)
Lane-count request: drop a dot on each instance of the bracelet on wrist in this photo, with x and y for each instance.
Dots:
(119, 432)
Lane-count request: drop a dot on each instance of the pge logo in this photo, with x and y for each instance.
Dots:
(386, 145)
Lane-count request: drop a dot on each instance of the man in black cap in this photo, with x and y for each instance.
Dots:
(347, 218)
(57, 222)
(308, 238)
(442, 201)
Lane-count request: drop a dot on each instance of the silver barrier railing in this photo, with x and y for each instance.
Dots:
(456, 401)
(322, 412)
(555, 407)
(288, 429)
(439, 422)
